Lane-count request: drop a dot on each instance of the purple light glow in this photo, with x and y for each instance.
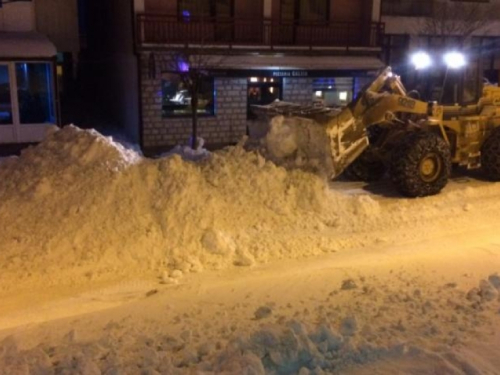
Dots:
(183, 66)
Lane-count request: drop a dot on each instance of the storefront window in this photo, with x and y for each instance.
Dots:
(177, 100)
(35, 93)
(262, 91)
(5, 102)
(333, 92)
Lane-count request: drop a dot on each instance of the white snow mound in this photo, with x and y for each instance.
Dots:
(80, 207)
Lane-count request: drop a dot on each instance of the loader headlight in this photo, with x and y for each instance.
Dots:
(454, 60)
(421, 60)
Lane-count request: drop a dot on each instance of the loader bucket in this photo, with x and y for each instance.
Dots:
(348, 139)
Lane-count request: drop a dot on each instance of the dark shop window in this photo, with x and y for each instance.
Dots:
(177, 99)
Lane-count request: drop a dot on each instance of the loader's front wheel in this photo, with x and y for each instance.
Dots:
(490, 156)
(420, 164)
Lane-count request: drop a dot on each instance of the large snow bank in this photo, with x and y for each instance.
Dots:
(80, 207)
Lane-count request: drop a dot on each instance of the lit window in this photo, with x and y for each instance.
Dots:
(35, 93)
(262, 91)
(177, 98)
(5, 102)
(333, 91)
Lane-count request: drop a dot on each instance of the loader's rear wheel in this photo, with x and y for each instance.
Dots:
(421, 164)
(368, 167)
(490, 156)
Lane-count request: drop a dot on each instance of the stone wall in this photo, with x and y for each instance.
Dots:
(297, 90)
(228, 124)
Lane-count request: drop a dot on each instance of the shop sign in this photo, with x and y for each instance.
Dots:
(290, 73)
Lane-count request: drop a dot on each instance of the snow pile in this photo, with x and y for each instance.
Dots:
(188, 153)
(299, 143)
(81, 207)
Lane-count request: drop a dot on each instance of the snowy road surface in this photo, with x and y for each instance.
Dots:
(116, 264)
(392, 309)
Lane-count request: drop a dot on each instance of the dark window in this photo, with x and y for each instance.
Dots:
(35, 93)
(5, 102)
(396, 52)
(262, 91)
(406, 8)
(177, 99)
(305, 10)
(313, 10)
(205, 8)
(488, 48)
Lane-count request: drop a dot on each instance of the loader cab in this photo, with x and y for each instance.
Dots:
(450, 87)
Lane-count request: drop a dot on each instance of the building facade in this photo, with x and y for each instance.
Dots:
(291, 50)
(254, 52)
(33, 39)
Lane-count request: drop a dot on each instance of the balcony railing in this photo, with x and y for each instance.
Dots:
(241, 33)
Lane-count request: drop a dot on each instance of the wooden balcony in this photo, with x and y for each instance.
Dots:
(156, 31)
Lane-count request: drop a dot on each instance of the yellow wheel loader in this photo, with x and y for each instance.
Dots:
(387, 130)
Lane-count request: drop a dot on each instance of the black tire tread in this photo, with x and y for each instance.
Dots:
(490, 156)
(405, 161)
(367, 167)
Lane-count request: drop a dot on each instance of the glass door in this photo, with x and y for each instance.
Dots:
(27, 101)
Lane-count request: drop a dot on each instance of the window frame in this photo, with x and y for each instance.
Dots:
(29, 132)
(11, 66)
(172, 116)
(53, 88)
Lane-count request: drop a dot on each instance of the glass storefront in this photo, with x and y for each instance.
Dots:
(35, 93)
(337, 91)
(33, 90)
(27, 100)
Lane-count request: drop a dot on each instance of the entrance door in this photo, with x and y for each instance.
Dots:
(27, 101)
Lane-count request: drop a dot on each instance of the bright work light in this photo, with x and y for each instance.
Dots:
(421, 60)
(454, 60)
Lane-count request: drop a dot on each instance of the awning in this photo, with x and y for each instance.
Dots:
(287, 62)
(25, 45)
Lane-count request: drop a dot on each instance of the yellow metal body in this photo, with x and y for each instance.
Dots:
(384, 102)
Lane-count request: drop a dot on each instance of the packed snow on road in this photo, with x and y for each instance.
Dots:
(113, 263)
